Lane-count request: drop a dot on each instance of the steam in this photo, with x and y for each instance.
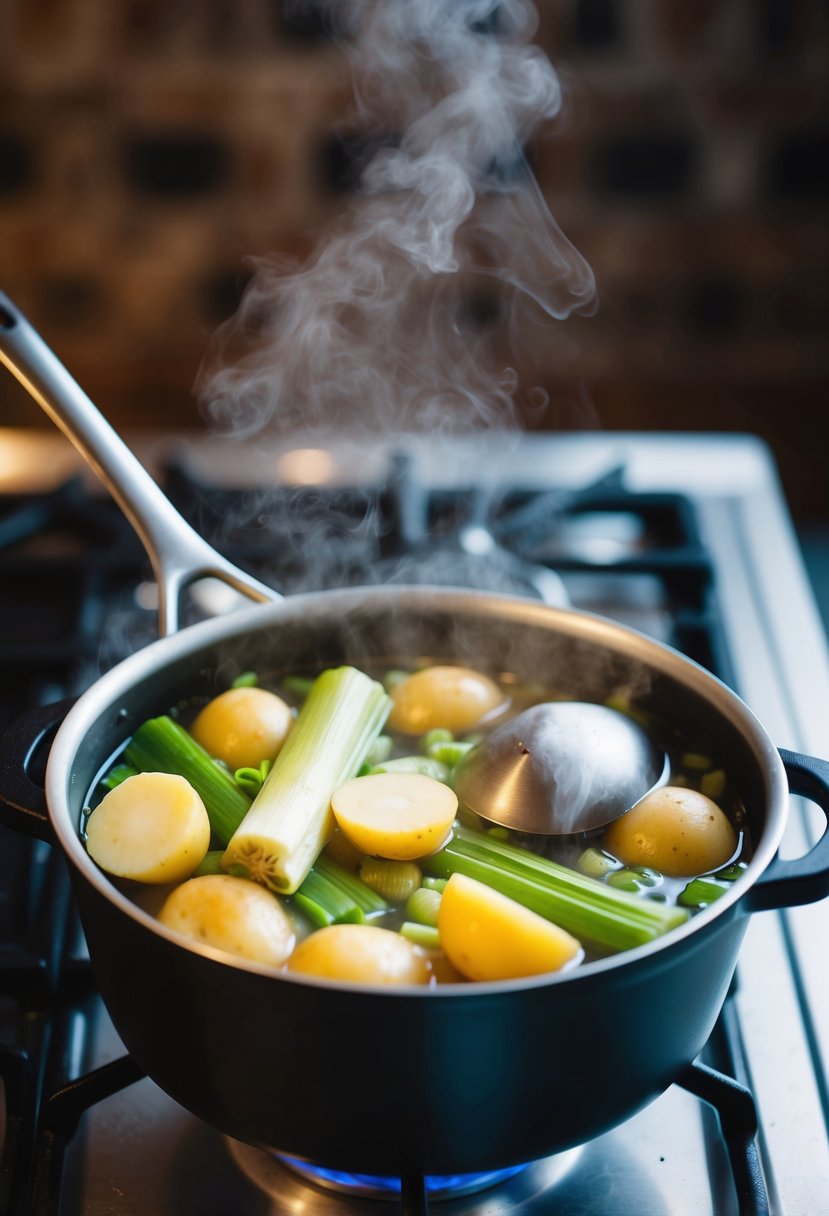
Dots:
(406, 316)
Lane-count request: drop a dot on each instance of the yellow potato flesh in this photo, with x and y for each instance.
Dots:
(243, 726)
(401, 816)
(678, 831)
(360, 954)
(231, 914)
(455, 698)
(151, 828)
(488, 936)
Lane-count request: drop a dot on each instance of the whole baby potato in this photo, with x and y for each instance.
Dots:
(360, 954)
(231, 914)
(243, 726)
(678, 831)
(455, 698)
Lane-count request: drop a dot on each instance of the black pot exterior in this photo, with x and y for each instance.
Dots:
(456, 1080)
(381, 1083)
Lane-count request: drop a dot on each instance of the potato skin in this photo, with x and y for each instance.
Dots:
(455, 698)
(360, 954)
(231, 914)
(151, 828)
(678, 831)
(243, 726)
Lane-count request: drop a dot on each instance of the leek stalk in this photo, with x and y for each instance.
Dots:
(290, 819)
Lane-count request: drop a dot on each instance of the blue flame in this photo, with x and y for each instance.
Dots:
(436, 1184)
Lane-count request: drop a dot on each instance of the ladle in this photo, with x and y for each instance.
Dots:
(559, 768)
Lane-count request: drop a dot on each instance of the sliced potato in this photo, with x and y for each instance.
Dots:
(455, 698)
(243, 726)
(360, 954)
(488, 936)
(232, 914)
(678, 831)
(398, 815)
(153, 828)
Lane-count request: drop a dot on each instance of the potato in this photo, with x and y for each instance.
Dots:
(360, 954)
(232, 914)
(488, 936)
(455, 698)
(153, 828)
(678, 831)
(243, 726)
(398, 815)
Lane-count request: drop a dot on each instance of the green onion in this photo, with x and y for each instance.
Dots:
(700, 892)
(291, 818)
(590, 910)
(420, 935)
(251, 780)
(162, 745)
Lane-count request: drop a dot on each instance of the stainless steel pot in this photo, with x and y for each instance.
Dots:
(456, 1080)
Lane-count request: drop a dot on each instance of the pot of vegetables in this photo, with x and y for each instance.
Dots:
(299, 932)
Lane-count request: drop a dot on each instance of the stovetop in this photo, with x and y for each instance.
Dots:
(684, 537)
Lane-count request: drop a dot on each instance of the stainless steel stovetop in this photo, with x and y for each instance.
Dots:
(137, 1152)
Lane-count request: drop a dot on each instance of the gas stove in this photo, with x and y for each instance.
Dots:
(685, 537)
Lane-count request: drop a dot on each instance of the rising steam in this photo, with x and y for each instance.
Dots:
(404, 317)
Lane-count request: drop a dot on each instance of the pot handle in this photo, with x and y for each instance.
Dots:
(801, 880)
(22, 798)
(179, 556)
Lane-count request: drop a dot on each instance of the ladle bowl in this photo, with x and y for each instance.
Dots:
(559, 768)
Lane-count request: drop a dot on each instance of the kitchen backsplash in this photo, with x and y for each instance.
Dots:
(149, 148)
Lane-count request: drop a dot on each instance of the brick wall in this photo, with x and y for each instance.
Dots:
(149, 147)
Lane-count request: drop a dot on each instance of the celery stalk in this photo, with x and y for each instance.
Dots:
(290, 819)
(610, 919)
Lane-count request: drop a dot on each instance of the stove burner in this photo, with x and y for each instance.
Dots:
(282, 1177)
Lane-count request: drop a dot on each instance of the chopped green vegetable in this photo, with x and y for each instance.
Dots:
(251, 780)
(394, 880)
(421, 935)
(596, 863)
(247, 679)
(324, 903)
(590, 910)
(161, 745)
(298, 686)
(414, 764)
(423, 905)
(211, 863)
(713, 784)
(290, 819)
(371, 902)
(118, 774)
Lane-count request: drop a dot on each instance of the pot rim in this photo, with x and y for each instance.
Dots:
(657, 655)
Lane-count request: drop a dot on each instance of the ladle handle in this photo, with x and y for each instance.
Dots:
(179, 556)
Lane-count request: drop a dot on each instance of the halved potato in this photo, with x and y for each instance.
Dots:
(397, 815)
(489, 936)
(153, 828)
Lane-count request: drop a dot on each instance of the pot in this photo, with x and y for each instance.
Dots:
(398, 1082)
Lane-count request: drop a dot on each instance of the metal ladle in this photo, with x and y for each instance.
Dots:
(560, 768)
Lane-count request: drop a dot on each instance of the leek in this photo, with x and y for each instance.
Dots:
(608, 918)
(290, 819)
